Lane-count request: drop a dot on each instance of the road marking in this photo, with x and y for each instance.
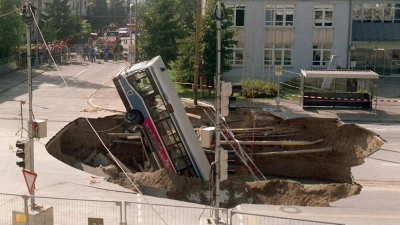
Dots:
(390, 164)
(77, 74)
(71, 78)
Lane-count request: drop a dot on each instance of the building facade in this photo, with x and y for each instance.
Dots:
(305, 34)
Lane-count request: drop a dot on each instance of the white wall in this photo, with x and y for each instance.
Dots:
(303, 34)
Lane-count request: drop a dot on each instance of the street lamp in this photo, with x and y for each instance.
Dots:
(136, 23)
(130, 22)
(114, 8)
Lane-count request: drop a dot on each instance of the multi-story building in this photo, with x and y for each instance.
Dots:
(298, 34)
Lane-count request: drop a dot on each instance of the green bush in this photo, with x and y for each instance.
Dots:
(258, 88)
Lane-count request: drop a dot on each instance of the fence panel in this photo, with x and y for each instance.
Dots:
(156, 214)
(8, 204)
(241, 218)
(78, 211)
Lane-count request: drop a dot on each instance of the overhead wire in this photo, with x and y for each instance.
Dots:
(123, 171)
(3, 15)
(47, 47)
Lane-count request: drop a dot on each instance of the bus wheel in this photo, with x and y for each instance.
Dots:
(134, 117)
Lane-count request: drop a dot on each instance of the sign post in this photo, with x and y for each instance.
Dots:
(30, 178)
(278, 73)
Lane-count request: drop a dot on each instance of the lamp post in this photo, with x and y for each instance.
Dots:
(130, 22)
(136, 22)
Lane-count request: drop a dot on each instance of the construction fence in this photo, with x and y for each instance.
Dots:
(18, 210)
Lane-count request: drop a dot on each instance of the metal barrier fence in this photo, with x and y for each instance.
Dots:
(156, 214)
(62, 211)
(239, 217)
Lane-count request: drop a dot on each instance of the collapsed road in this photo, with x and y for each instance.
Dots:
(312, 178)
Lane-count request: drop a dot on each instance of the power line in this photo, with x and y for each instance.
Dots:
(3, 15)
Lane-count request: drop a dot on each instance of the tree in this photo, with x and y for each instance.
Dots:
(59, 14)
(11, 27)
(161, 28)
(99, 14)
(85, 28)
(208, 46)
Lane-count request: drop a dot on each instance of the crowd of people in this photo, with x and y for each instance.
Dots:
(61, 52)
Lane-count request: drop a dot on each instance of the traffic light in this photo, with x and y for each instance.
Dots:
(224, 163)
(227, 99)
(23, 152)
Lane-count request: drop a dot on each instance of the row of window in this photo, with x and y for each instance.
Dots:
(376, 12)
(281, 54)
(283, 15)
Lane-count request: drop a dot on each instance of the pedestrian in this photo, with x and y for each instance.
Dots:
(90, 41)
(69, 43)
(63, 52)
(120, 51)
(56, 54)
(106, 50)
(85, 52)
(83, 40)
(115, 53)
(91, 53)
(42, 53)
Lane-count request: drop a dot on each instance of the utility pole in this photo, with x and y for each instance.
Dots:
(28, 13)
(196, 53)
(217, 114)
(136, 24)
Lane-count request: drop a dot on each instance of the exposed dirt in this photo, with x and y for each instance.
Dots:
(329, 171)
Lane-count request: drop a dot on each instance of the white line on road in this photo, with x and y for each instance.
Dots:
(390, 164)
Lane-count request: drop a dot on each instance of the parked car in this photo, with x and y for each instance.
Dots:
(123, 32)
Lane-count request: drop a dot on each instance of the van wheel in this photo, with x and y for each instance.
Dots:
(134, 117)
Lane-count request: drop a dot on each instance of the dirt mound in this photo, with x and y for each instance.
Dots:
(273, 192)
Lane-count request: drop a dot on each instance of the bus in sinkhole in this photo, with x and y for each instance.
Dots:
(154, 107)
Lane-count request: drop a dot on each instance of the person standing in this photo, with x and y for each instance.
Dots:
(85, 52)
(120, 51)
(90, 41)
(69, 46)
(91, 53)
(115, 53)
(42, 53)
(106, 50)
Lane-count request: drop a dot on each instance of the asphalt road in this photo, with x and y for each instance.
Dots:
(83, 89)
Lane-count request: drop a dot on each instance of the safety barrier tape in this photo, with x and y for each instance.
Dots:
(387, 100)
(193, 84)
(339, 99)
(315, 97)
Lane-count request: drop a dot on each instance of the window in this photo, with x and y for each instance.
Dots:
(236, 56)
(279, 15)
(323, 15)
(376, 12)
(282, 53)
(321, 54)
(238, 15)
